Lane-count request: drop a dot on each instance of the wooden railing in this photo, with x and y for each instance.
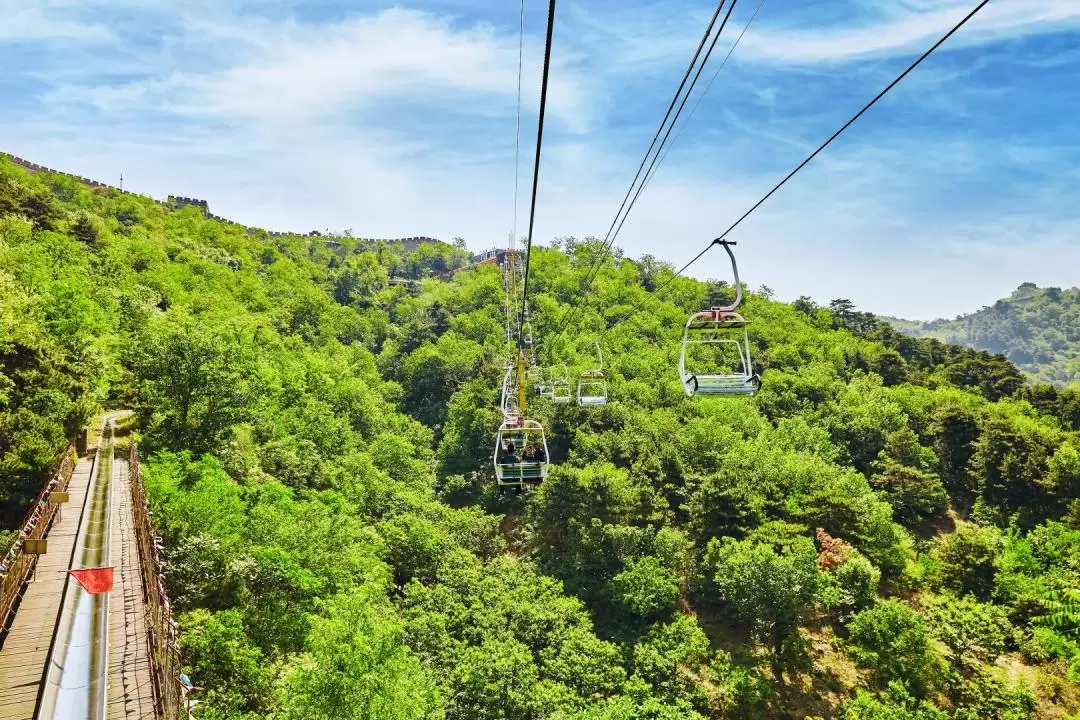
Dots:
(16, 565)
(161, 630)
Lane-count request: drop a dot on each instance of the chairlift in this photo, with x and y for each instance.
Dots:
(512, 469)
(560, 385)
(720, 326)
(509, 401)
(527, 333)
(592, 387)
(545, 388)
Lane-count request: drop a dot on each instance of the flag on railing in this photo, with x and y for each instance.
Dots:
(94, 580)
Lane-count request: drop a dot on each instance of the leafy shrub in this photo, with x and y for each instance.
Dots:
(894, 642)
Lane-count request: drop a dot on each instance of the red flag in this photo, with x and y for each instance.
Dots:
(94, 580)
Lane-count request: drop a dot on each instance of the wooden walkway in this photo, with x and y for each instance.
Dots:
(25, 653)
(130, 692)
(26, 650)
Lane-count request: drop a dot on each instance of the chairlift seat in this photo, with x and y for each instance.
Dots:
(592, 393)
(560, 393)
(737, 385)
(716, 319)
(515, 473)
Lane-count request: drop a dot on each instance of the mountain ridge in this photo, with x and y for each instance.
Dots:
(1037, 328)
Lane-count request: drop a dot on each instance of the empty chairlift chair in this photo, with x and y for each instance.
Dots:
(560, 385)
(509, 401)
(513, 466)
(720, 327)
(526, 333)
(545, 386)
(592, 387)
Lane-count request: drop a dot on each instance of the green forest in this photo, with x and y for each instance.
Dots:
(1037, 328)
(888, 529)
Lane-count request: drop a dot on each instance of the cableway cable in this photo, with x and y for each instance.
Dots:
(624, 209)
(721, 238)
(705, 92)
(517, 127)
(536, 171)
(663, 143)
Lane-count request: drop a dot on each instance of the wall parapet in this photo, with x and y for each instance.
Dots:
(177, 202)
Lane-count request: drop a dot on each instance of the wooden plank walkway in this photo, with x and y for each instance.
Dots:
(26, 650)
(130, 692)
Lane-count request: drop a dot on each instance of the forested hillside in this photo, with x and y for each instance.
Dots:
(889, 529)
(1037, 328)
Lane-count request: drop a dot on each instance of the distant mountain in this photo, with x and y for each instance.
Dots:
(1037, 328)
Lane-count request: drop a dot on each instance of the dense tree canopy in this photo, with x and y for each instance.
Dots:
(1037, 328)
(890, 528)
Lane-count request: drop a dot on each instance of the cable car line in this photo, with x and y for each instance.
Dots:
(663, 144)
(705, 92)
(517, 128)
(594, 268)
(614, 231)
(536, 169)
(520, 457)
(720, 239)
(671, 106)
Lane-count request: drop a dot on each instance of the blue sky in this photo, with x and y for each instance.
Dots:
(398, 119)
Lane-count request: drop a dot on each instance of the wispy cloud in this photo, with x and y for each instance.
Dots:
(905, 26)
(289, 71)
(23, 21)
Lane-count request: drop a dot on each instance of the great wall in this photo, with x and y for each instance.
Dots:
(175, 202)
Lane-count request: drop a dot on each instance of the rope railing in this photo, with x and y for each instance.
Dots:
(161, 628)
(16, 565)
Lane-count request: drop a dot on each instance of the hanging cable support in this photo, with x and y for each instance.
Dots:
(721, 238)
(536, 169)
(624, 209)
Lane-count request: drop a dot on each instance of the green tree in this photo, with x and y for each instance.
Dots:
(769, 590)
(356, 666)
(198, 381)
(966, 560)
(234, 672)
(894, 642)
(896, 703)
(974, 632)
(646, 589)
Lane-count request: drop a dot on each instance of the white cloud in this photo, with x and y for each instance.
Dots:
(291, 72)
(24, 21)
(910, 25)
